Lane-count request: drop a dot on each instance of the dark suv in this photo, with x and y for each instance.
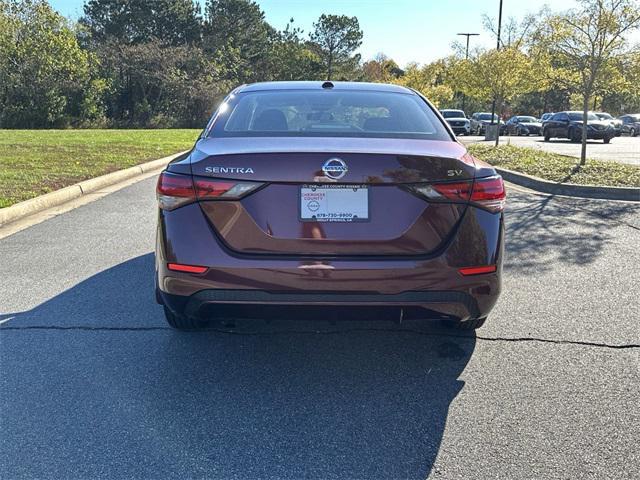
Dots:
(630, 124)
(569, 125)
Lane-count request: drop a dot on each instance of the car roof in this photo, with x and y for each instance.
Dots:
(451, 110)
(317, 85)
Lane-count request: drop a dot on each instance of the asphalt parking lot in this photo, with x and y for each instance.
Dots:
(622, 149)
(94, 385)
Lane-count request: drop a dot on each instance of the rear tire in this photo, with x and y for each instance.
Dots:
(547, 137)
(573, 136)
(606, 139)
(181, 322)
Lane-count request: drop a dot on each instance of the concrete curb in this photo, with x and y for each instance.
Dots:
(630, 194)
(58, 197)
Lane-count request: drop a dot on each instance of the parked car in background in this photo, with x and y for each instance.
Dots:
(569, 125)
(630, 124)
(457, 120)
(480, 120)
(523, 125)
(616, 123)
(546, 116)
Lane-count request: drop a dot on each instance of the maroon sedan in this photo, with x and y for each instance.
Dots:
(335, 194)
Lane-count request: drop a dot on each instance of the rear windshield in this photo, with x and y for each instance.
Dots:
(328, 113)
(578, 116)
(453, 114)
(487, 116)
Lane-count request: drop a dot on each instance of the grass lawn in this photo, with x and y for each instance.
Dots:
(558, 168)
(33, 162)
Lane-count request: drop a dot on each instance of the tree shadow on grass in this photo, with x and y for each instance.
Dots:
(116, 394)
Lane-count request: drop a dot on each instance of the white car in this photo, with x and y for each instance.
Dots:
(457, 120)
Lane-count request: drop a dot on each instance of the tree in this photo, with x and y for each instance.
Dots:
(497, 74)
(292, 58)
(588, 42)
(337, 37)
(175, 22)
(46, 79)
(381, 69)
(237, 34)
(155, 85)
(432, 80)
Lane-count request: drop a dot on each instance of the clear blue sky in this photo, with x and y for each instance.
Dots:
(405, 30)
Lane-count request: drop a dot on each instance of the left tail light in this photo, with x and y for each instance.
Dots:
(174, 190)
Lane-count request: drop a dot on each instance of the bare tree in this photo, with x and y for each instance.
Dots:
(513, 33)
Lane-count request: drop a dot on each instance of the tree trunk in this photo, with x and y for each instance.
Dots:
(585, 112)
(329, 66)
(500, 112)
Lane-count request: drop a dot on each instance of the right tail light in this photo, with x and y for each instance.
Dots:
(487, 193)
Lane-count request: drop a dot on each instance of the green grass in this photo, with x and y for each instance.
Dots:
(558, 168)
(34, 162)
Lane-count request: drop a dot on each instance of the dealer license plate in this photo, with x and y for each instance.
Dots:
(334, 203)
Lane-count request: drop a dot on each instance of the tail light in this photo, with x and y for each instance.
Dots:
(487, 193)
(459, 191)
(174, 190)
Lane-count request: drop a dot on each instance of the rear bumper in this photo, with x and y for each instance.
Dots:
(432, 282)
(600, 134)
(454, 304)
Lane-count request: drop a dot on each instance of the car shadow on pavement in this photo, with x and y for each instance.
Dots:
(543, 229)
(97, 386)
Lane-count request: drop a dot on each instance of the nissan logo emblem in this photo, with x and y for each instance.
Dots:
(335, 168)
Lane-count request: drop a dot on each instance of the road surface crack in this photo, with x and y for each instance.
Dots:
(331, 332)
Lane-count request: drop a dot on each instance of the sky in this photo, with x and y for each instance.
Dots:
(405, 30)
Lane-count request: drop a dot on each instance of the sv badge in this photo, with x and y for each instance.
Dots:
(454, 173)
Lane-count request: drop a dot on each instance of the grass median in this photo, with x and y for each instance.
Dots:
(34, 162)
(558, 168)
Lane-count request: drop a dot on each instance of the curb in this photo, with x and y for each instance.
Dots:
(630, 194)
(58, 197)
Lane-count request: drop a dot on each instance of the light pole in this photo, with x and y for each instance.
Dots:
(466, 57)
(493, 107)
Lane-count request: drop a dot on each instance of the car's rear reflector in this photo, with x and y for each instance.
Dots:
(477, 270)
(178, 267)
(489, 193)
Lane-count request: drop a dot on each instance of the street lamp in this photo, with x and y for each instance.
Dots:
(493, 107)
(466, 56)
